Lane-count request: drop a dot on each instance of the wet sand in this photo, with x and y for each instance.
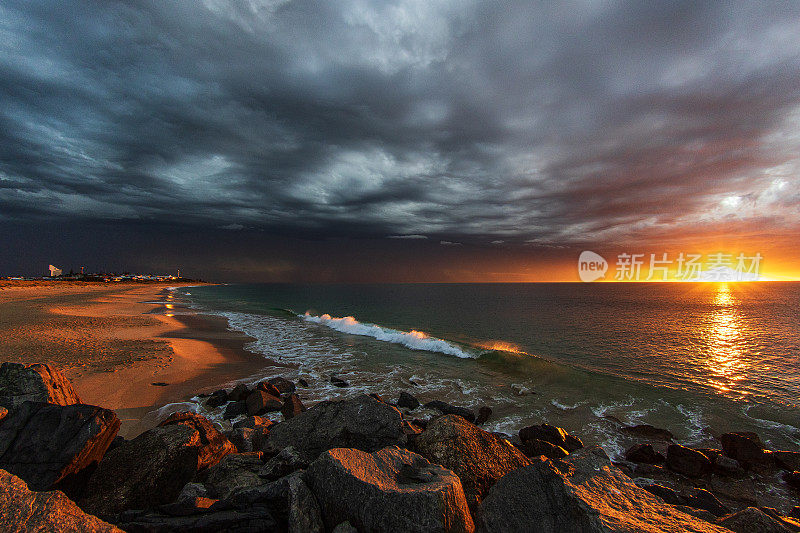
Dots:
(121, 350)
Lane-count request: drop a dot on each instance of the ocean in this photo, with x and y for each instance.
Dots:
(698, 359)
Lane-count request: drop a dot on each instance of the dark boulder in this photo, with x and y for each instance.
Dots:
(22, 510)
(259, 402)
(727, 466)
(211, 446)
(47, 444)
(536, 448)
(644, 453)
(687, 461)
(484, 413)
(386, 491)
(750, 520)
(248, 439)
(151, 469)
(34, 383)
(292, 406)
(269, 388)
(217, 399)
(253, 422)
(235, 409)
(286, 462)
(702, 499)
(302, 382)
(247, 520)
(589, 495)
(283, 385)
(552, 434)
(478, 457)
(665, 493)
(447, 409)
(233, 472)
(743, 446)
(3, 413)
(339, 382)
(362, 422)
(648, 432)
(239, 393)
(789, 461)
(793, 479)
(407, 400)
(304, 513)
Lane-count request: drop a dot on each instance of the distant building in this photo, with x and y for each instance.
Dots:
(55, 271)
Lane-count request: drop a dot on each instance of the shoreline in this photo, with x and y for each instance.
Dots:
(115, 342)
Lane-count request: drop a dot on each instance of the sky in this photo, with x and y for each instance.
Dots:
(395, 141)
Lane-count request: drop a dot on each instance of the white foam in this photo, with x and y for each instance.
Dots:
(416, 340)
(565, 407)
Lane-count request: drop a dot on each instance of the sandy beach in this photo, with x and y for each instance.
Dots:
(127, 347)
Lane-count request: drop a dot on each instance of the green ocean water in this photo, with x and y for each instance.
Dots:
(698, 359)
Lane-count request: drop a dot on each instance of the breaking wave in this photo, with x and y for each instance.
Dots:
(416, 340)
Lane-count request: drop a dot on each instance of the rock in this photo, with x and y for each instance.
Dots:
(789, 461)
(484, 413)
(3, 412)
(447, 409)
(269, 388)
(344, 527)
(305, 515)
(727, 466)
(253, 422)
(687, 461)
(751, 519)
(287, 461)
(151, 469)
(477, 457)
(47, 444)
(553, 435)
(702, 499)
(292, 406)
(217, 399)
(792, 478)
(739, 490)
(231, 520)
(788, 522)
(242, 439)
(536, 447)
(22, 510)
(362, 422)
(282, 384)
(192, 491)
(374, 493)
(795, 512)
(259, 402)
(302, 382)
(588, 495)
(407, 400)
(339, 382)
(212, 445)
(699, 513)
(648, 432)
(34, 383)
(743, 446)
(233, 472)
(239, 393)
(235, 409)
(665, 493)
(644, 453)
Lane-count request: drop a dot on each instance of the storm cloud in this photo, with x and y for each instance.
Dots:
(535, 124)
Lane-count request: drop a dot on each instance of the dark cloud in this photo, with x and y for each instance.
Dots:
(556, 124)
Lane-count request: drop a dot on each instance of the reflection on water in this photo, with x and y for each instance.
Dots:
(725, 359)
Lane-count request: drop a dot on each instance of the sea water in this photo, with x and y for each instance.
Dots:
(699, 359)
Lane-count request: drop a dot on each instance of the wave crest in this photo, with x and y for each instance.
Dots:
(415, 340)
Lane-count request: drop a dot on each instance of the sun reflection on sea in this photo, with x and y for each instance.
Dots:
(724, 339)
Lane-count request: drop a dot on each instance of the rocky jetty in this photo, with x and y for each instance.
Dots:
(273, 463)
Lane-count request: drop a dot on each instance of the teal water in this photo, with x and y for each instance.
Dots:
(697, 359)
